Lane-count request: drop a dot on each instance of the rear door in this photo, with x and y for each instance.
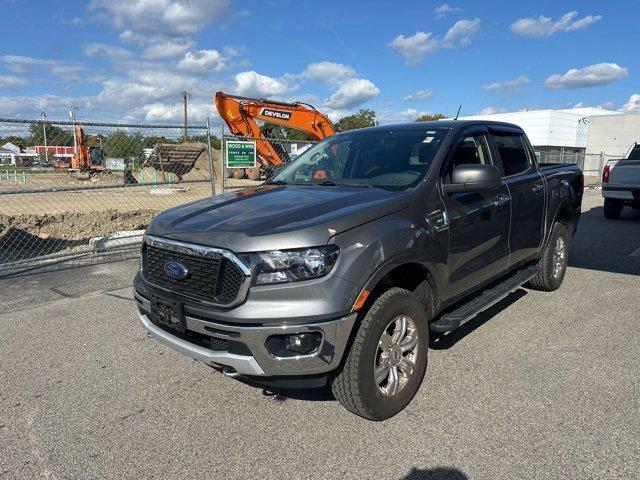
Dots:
(527, 191)
(478, 221)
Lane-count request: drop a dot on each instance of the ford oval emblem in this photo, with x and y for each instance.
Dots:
(176, 270)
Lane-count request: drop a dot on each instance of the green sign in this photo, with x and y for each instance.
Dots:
(240, 154)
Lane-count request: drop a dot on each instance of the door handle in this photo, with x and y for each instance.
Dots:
(537, 188)
(501, 200)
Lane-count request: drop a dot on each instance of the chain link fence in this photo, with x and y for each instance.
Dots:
(591, 164)
(238, 178)
(68, 190)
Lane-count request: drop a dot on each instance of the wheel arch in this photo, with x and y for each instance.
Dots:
(408, 270)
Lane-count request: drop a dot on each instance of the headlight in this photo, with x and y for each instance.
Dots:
(281, 266)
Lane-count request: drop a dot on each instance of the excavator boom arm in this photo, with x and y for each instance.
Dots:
(241, 113)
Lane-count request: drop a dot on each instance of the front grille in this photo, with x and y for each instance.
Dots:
(214, 279)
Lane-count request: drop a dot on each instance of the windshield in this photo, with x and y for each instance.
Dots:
(395, 159)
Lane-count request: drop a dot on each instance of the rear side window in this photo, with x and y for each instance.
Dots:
(512, 153)
(634, 154)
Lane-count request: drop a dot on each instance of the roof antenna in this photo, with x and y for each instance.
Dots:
(457, 114)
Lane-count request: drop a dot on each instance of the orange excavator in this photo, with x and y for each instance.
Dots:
(242, 114)
(81, 162)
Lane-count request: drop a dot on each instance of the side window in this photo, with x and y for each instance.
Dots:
(471, 150)
(512, 153)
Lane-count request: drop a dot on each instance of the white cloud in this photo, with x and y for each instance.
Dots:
(509, 86)
(407, 115)
(166, 18)
(328, 72)
(419, 95)
(591, 76)
(102, 50)
(68, 71)
(462, 32)
(442, 10)
(415, 47)
(254, 84)
(633, 104)
(171, 48)
(491, 111)
(30, 107)
(544, 26)
(203, 61)
(11, 81)
(335, 114)
(198, 111)
(352, 93)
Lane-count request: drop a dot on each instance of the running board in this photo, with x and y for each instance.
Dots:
(458, 317)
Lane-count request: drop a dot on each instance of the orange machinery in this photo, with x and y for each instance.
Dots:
(242, 113)
(81, 162)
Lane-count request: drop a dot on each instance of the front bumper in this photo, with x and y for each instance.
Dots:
(260, 363)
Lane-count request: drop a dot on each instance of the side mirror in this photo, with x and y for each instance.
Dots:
(473, 178)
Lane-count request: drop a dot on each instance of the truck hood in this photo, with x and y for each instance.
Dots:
(270, 217)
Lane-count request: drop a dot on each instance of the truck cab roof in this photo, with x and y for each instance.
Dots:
(448, 124)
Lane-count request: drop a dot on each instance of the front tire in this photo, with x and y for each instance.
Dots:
(612, 208)
(553, 264)
(388, 357)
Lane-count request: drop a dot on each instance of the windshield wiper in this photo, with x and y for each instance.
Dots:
(329, 183)
(276, 182)
(326, 183)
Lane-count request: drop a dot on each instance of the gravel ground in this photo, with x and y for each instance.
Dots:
(544, 385)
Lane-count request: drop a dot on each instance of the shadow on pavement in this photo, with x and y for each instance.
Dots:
(606, 245)
(440, 341)
(438, 473)
(282, 394)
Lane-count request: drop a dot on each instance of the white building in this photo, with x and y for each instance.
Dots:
(612, 136)
(552, 130)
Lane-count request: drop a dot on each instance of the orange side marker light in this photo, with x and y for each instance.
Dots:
(361, 299)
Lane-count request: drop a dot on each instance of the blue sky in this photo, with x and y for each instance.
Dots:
(127, 60)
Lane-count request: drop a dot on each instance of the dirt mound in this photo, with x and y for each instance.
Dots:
(71, 225)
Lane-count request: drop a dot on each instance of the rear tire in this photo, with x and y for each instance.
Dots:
(382, 347)
(553, 264)
(612, 208)
(253, 173)
(237, 173)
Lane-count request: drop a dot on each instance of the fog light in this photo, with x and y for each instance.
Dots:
(294, 344)
(303, 343)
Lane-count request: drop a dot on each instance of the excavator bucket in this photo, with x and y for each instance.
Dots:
(178, 159)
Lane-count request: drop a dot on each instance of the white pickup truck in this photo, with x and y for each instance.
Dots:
(621, 183)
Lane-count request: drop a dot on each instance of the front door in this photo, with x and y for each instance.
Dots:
(478, 221)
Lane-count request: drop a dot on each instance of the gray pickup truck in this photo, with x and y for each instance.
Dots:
(621, 183)
(337, 268)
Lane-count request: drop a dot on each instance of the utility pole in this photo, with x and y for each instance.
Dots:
(72, 116)
(44, 133)
(185, 97)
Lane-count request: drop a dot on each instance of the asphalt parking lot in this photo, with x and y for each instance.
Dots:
(544, 385)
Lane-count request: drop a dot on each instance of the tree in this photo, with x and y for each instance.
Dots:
(215, 141)
(17, 141)
(429, 117)
(122, 145)
(151, 141)
(55, 135)
(364, 118)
